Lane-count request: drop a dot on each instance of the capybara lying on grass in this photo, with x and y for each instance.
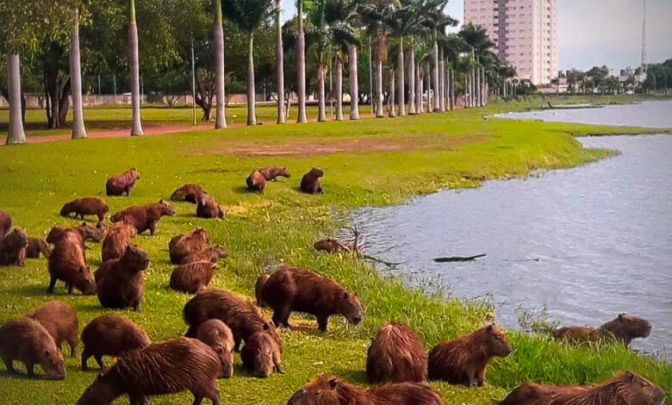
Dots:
(258, 288)
(161, 368)
(144, 217)
(625, 388)
(192, 277)
(27, 341)
(213, 254)
(110, 335)
(60, 320)
(68, 263)
(271, 173)
(395, 355)
(123, 183)
(261, 355)
(294, 289)
(5, 223)
(464, 360)
(121, 283)
(219, 337)
(13, 248)
(118, 237)
(623, 329)
(331, 245)
(86, 206)
(188, 192)
(186, 244)
(208, 208)
(256, 182)
(37, 246)
(310, 183)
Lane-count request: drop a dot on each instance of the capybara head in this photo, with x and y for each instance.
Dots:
(322, 391)
(136, 257)
(283, 172)
(135, 175)
(102, 228)
(103, 391)
(202, 234)
(350, 308)
(51, 362)
(260, 353)
(88, 232)
(217, 335)
(494, 341)
(166, 209)
(19, 237)
(68, 208)
(628, 327)
(316, 172)
(633, 389)
(83, 280)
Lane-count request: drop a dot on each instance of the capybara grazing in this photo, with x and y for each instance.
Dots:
(294, 289)
(60, 320)
(37, 246)
(256, 182)
(208, 208)
(219, 337)
(331, 245)
(623, 329)
(192, 277)
(13, 248)
(144, 217)
(188, 192)
(310, 183)
(237, 313)
(67, 262)
(27, 341)
(271, 173)
(329, 390)
(395, 355)
(5, 223)
(161, 368)
(186, 244)
(258, 287)
(86, 206)
(625, 388)
(118, 237)
(123, 183)
(120, 283)
(464, 360)
(261, 355)
(84, 230)
(110, 335)
(212, 254)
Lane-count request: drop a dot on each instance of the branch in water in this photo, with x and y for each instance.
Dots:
(457, 258)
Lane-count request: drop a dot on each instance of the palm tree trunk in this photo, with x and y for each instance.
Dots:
(391, 112)
(78, 128)
(435, 76)
(220, 118)
(136, 125)
(452, 89)
(400, 63)
(301, 68)
(279, 60)
(321, 114)
(352, 76)
(442, 84)
(371, 90)
(411, 82)
(419, 94)
(430, 95)
(338, 67)
(379, 89)
(467, 90)
(251, 90)
(15, 134)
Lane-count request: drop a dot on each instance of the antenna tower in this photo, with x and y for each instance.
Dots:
(644, 61)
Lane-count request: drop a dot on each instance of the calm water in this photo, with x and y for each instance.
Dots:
(588, 243)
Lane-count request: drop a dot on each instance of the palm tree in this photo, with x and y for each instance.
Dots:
(319, 35)
(136, 125)
(354, 88)
(437, 22)
(218, 32)
(279, 60)
(78, 128)
(476, 40)
(301, 68)
(376, 17)
(16, 133)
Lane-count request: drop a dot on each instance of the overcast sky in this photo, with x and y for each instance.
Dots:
(597, 32)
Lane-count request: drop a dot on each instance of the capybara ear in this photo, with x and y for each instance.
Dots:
(629, 377)
(345, 295)
(83, 223)
(489, 328)
(333, 383)
(620, 316)
(161, 201)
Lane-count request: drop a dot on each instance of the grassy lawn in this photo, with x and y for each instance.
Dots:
(368, 162)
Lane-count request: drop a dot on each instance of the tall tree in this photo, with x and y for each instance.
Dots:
(376, 17)
(301, 66)
(136, 124)
(279, 60)
(218, 32)
(78, 128)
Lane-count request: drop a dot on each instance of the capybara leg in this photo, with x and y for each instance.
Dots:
(480, 377)
(281, 316)
(69, 287)
(30, 369)
(21, 262)
(128, 191)
(72, 342)
(101, 217)
(99, 360)
(152, 228)
(319, 190)
(52, 284)
(9, 365)
(138, 400)
(85, 358)
(322, 322)
(136, 306)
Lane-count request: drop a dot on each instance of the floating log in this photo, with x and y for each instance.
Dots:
(457, 258)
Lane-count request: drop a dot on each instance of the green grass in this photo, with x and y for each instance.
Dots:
(426, 153)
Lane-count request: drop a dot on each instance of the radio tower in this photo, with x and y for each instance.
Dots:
(644, 62)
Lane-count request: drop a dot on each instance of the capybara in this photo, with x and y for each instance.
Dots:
(256, 182)
(86, 206)
(258, 287)
(464, 360)
(120, 283)
(625, 388)
(212, 254)
(183, 245)
(271, 173)
(208, 208)
(188, 192)
(27, 341)
(192, 277)
(623, 329)
(60, 320)
(84, 230)
(5, 223)
(161, 368)
(110, 335)
(117, 238)
(13, 248)
(329, 390)
(294, 289)
(37, 246)
(144, 217)
(310, 183)
(123, 183)
(395, 355)
(67, 262)
(237, 313)
(218, 336)
(331, 245)
(261, 355)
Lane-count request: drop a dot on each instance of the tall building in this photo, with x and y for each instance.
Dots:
(524, 31)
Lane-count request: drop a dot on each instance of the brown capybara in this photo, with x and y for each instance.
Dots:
(115, 242)
(294, 289)
(271, 173)
(13, 248)
(37, 246)
(329, 390)
(86, 206)
(120, 283)
(623, 329)
(625, 388)
(68, 263)
(208, 208)
(310, 183)
(188, 192)
(395, 355)
(192, 277)
(60, 320)
(464, 360)
(212, 254)
(256, 182)
(186, 244)
(261, 355)
(258, 287)
(219, 337)
(5, 223)
(123, 183)
(27, 341)
(144, 217)
(237, 313)
(110, 335)
(161, 368)
(84, 230)
(331, 245)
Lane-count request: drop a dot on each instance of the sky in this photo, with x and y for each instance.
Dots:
(597, 32)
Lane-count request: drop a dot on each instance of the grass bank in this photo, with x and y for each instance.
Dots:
(369, 162)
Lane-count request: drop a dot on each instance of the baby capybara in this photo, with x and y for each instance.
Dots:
(118, 237)
(161, 368)
(256, 182)
(120, 283)
(625, 388)
(13, 248)
(5, 223)
(310, 183)
(188, 192)
(123, 183)
(186, 244)
(294, 289)
(27, 341)
(237, 313)
(144, 217)
(208, 208)
(258, 287)
(37, 246)
(219, 337)
(395, 355)
(329, 390)
(623, 329)
(192, 277)
(271, 173)
(60, 320)
(67, 262)
(212, 254)
(331, 245)
(464, 360)
(261, 355)
(110, 335)
(86, 206)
